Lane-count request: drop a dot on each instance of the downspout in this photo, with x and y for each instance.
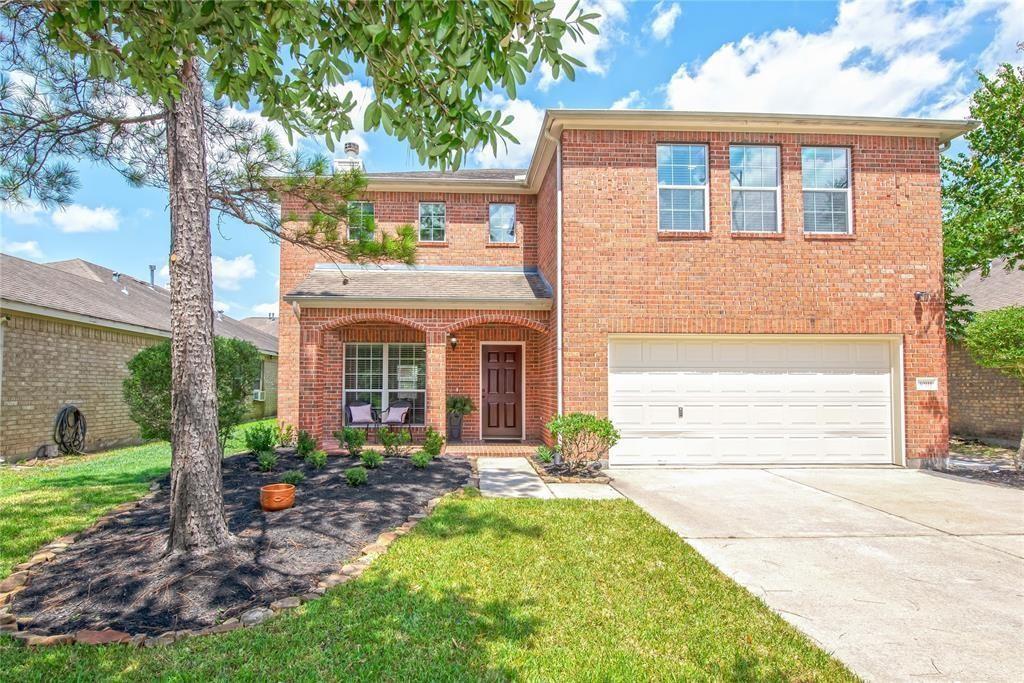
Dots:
(558, 270)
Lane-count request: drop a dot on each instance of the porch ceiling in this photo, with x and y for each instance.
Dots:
(422, 287)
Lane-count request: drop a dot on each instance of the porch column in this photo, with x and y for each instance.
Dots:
(437, 381)
(310, 394)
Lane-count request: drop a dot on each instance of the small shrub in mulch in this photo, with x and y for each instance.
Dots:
(356, 476)
(117, 575)
(421, 459)
(371, 459)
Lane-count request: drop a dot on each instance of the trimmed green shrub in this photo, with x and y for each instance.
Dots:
(261, 437)
(356, 476)
(396, 442)
(266, 460)
(317, 460)
(304, 443)
(582, 438)
(293, 477)
(433, 442)
(285, 435)
(147, 389)
(372, 459)
(420, 459)
(545, 454)
(352, 438)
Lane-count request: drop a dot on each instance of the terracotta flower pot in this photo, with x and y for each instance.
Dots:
(274, 497)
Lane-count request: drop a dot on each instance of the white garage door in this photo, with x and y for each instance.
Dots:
(714, 401)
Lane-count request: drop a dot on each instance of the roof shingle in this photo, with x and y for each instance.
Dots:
(1000, 289)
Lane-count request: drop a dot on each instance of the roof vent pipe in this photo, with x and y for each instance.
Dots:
(152, 275)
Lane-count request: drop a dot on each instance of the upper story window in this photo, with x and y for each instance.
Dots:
(682, 188)
(432, 221)
(502, 222)
(754, 180)
(360, 220)
(826, 179)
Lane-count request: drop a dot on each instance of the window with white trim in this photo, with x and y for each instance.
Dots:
(682, 188)
(432, 221)
(381, 374)
(360, 220)
(826, 181)
(502, 223)
(755, 192)
(258, 386)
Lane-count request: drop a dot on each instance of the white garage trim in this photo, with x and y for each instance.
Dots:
(851, 430)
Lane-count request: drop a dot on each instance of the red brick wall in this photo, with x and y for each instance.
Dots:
(324, 332)
(467, 244)
(983, 403)
(620, 275)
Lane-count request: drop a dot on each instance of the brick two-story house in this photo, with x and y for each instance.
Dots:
(727, 288)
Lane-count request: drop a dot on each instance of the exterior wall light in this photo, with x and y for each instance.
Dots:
(454, 341)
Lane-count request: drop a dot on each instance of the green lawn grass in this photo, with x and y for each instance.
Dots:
(60, 496)
(489, 589)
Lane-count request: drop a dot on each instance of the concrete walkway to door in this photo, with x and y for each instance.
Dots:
(901, 574)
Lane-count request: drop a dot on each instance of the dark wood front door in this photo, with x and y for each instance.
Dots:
(502, 392)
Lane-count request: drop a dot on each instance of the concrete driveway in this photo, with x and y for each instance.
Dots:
(901, 574)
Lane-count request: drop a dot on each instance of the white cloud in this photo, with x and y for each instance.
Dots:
(229, 273)
(29, 249)
(879, 58)
(21, 214)
(525, 126)
(78, 218)
(266, 309)
(1004, 46)
(221, 306)
(664, 21)
(630, 101)
(593, 49)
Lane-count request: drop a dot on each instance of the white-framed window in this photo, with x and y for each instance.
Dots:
(360, 220)
(433, 216)
(258, 386)
(381, 374)
(755, 188)
(826, 183)
(682, 188)
(502, 223)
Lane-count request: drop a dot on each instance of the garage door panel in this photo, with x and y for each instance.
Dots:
(750, 402)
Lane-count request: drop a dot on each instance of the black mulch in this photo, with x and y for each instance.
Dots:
(592, 471)
(118, 576)
(1005, 477)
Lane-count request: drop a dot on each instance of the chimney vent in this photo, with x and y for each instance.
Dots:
(351, 159)
(152, 275)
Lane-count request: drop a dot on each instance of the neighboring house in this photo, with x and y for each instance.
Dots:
(68, 330)
(267, 325)
(984, 403)
(728, 288)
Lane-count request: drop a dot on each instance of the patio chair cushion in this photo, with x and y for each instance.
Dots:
(395, 415)
(361, 414)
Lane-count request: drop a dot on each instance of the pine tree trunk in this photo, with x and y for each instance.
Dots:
(197, 503)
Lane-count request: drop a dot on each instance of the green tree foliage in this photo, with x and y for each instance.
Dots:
(983, 190)
(996, 340)
(582, 438)
(147, 389)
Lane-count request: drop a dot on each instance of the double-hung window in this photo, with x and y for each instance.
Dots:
(754, 182)
(360, 220)
(432, 221)
(682, 188)
(382, 374)
(502, 223)
(826, 180)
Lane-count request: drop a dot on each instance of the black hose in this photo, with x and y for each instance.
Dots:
(69, 430)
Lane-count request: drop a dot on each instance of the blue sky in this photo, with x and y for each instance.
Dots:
(864, 57)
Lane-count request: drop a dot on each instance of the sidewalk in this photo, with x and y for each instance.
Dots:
(516, 478)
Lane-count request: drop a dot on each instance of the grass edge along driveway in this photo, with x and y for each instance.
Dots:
(494, 589)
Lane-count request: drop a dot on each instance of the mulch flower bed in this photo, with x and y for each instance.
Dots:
(559, 474)
(116, 575)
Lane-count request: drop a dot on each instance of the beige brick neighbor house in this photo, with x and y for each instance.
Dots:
(986, 404)
(727, 288)
(67, 330)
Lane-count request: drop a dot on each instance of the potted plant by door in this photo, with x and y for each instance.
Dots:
(458, 407)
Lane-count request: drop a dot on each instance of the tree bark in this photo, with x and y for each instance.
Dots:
(197, 502)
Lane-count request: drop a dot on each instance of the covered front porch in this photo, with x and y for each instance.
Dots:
(436, 339)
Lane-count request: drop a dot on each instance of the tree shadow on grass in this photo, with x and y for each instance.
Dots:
(377, 628)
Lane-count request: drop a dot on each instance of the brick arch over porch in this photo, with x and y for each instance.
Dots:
(497, 319)
(371, 317)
